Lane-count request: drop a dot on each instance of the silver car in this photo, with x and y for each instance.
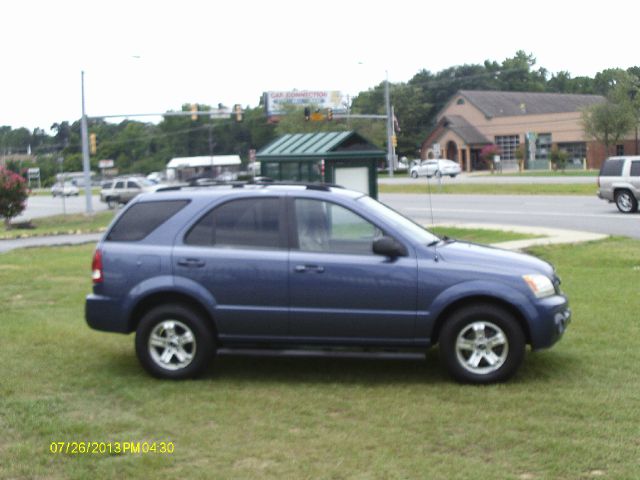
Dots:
(438, 168)
(619, 182)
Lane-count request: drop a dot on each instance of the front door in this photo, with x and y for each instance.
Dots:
(339, 290)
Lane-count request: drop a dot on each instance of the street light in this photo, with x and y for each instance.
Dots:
(86, 167)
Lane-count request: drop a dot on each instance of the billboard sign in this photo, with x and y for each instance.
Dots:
(275, 101)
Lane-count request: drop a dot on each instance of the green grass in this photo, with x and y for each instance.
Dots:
(478, 235)
(572, 412)
(552, 173)
(61, 224)
(493, 189)
(47, 191)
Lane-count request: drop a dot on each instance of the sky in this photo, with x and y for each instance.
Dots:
(144, 56)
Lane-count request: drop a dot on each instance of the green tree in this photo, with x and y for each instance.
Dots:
(608, 122)
(559, 158)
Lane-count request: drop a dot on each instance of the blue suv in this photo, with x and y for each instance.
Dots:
(195, 270)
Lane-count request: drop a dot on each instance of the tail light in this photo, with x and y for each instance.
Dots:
(96, 267)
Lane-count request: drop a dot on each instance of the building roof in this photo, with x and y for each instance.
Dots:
(319, 145)
(204, 161)
(470, 134)
(508, 104)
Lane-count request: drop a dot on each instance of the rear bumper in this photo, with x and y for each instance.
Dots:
(104, 314)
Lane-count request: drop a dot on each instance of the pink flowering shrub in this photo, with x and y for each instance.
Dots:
(13, 195)
(488, 151)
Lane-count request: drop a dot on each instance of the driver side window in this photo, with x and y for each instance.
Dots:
(327, 227)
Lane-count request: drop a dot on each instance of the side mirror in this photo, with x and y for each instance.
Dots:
(389, 247)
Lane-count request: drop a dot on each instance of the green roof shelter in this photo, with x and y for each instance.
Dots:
(342, 158)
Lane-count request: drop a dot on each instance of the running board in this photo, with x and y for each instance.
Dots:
(259, 352)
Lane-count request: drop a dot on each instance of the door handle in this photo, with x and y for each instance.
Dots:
(309, 268)
(191, 262)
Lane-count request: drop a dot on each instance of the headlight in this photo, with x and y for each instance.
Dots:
(540, 285)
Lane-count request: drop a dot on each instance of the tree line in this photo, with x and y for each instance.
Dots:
(141, 147)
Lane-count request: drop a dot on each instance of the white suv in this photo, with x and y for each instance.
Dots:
(122, 190)
(619, 182)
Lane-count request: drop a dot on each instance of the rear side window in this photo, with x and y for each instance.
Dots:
(244, 223)
(143, 218)
(612, 168)
(635, 169)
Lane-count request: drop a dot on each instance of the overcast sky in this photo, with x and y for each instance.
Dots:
(152, 56)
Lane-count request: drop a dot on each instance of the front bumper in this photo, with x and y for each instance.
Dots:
(554, 316)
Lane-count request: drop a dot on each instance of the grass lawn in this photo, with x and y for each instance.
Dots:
(62, 224)
(480, 235)
(493, 189)
(552, 173)
(572, 412)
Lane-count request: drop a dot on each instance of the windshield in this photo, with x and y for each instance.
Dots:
(417, 232)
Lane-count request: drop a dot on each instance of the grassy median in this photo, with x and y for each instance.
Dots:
(449, 187)
(571, 412)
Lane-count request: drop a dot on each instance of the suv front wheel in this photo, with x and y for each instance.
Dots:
(626, 202)
(174, 342)
(482, 344)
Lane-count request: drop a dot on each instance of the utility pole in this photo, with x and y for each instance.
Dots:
(387, 102)
(86, 166)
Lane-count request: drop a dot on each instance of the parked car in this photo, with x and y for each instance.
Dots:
(439, 168)
(66, 189)
(619, 182)
(122, 190)
(194, 270)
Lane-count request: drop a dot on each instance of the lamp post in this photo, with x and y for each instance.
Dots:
(387, 104)
(86, 167)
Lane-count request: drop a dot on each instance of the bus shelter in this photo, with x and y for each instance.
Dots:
(341, 158)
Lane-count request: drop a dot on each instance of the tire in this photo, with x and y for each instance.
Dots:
(414, 174)
(112, 203)
(453, 175)
(174, 342)
(482, 344)
(626, 202)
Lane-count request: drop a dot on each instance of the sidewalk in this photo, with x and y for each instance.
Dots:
(55, 240)
(548, 236)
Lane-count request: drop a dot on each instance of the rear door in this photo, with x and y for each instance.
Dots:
(237, 251)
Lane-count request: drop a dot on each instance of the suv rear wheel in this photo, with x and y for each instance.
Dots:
(626, 202)
(112, 202)
(482, 344)
(174, 342)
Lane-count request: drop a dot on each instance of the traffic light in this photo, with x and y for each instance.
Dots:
(93, 146)
(238, 111)
(194, 111)
(394, 141)
(307, 113)
(329, 113)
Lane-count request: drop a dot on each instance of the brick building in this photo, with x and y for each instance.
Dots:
(473, 119)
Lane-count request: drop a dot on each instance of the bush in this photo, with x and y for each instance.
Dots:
(13, 195)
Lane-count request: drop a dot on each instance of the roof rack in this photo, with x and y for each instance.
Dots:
(241, 184)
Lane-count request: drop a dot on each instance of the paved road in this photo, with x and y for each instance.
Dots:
(556, 211)
(46, 206)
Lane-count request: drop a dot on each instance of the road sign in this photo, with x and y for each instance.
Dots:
(317, 117)
(105, 164)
